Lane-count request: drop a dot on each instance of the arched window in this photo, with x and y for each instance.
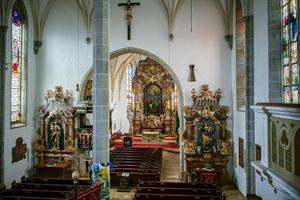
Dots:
(240, 58)
(18, 64)
(289, 35)
(129, 76)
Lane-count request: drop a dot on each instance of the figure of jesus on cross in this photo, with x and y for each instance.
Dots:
(128, 8)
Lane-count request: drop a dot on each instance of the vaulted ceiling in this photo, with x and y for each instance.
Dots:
(41, 8)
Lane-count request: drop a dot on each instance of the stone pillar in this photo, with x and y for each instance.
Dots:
(3, 30)
(250, 137)
(275, 45)
(101, 81)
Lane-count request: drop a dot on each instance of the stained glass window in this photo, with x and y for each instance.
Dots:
(290, 67)
(129, 76)
(18, 65)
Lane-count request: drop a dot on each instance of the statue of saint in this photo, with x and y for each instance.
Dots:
(55, 135)
(137, 107)
(167, 105)
(206, 138)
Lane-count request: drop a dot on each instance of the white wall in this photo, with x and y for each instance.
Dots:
(65, 57)
(18, 169)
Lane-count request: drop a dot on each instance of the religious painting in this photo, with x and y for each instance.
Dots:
(19, 151)
(153, 100)
(88, 92)
(257, 152)
(241, 152)
(206, 139)
(55, 134)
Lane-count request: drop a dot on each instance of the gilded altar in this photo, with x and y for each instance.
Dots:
(55, 136)
(206, 138)
(154, 107)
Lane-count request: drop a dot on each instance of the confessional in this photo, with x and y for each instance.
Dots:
(206, 138)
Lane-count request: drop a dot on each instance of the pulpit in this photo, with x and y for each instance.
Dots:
(206, 138)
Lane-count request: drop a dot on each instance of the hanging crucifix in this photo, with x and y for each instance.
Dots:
(128, 8)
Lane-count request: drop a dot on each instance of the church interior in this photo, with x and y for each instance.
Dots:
(149, 99)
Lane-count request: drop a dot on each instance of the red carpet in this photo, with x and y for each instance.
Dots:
(148, 146)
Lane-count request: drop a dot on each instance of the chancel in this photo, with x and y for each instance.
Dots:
(149, 99)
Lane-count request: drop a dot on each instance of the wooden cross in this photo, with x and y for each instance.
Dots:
(128, 8)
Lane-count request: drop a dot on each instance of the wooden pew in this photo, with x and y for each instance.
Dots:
(177, 191)
(141, 164)
(42, 188)
(148, 196)
(176, 184)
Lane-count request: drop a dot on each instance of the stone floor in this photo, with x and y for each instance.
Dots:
(170, 172)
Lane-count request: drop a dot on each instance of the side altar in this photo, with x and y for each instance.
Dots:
(206, 138)
(55, 137)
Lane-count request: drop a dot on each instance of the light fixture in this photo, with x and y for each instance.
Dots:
(192, 77)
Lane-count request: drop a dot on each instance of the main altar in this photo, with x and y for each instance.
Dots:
(154, 105)
(206, 138)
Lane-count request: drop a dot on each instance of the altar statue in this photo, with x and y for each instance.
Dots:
(206, 138)
(55, 135)
(137, 107)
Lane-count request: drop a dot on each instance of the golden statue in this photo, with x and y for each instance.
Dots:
(189, 147)
(137, 107)
(168, 105)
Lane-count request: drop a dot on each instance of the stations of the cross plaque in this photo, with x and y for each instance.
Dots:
(128, 8)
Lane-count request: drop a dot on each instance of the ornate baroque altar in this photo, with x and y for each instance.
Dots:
(154, 107)
(206, 138)
(55, 135)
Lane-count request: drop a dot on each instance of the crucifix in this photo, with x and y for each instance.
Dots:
(128, 8)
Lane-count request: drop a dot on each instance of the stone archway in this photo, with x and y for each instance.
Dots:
(127, 50)
(177, 82)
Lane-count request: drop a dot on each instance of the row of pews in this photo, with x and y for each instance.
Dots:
(50, 189)
(133, 164)
(155, 190)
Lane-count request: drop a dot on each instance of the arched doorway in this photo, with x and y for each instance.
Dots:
(126, 55)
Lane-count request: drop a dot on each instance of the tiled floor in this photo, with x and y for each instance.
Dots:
(170, 172)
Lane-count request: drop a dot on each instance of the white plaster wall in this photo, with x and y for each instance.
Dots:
(16, 170)
(119, 116)
(65, 57)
